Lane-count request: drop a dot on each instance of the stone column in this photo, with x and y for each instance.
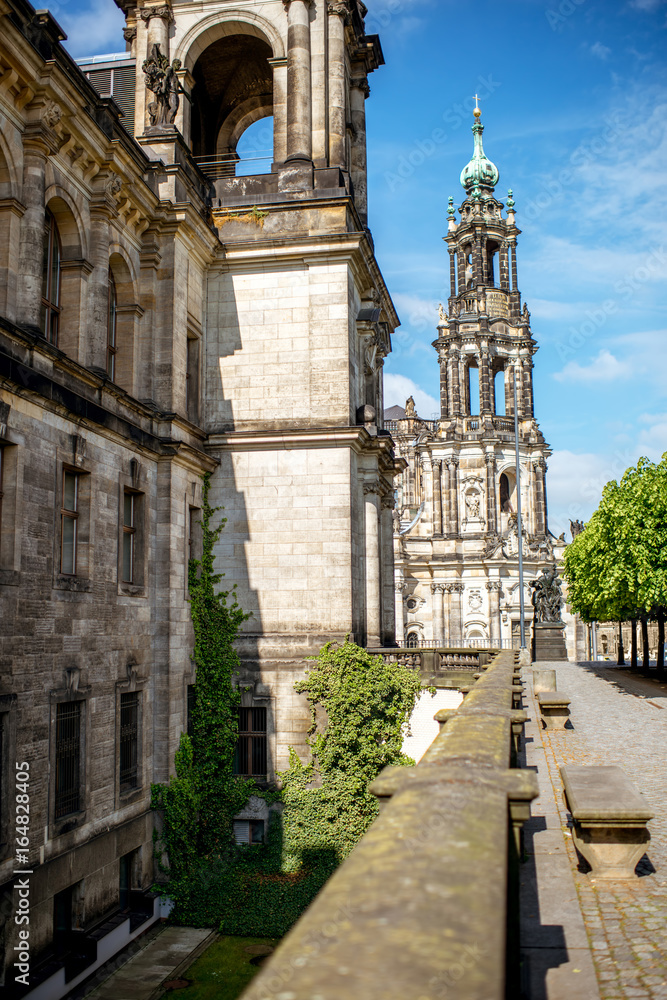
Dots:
(539, 470)
(39, 142)
(102, 211)
(359, 91)
(157, 21)
(494, 587)
(387, 569)
(437, 497)
(444, 383)
(490, 460)
(453, 464)
(372, 561)
(183, 115)
(299, 96)
(455, 382)
(527, 380)
(338, 11)
(447, 602)
(399, 590)
(427, 479)
(484, 383)
(513, 258)
(461, 268)
(452, 273)
(504, 265)
(477, 259)
(437, 592)
(446, 519)
(456, 614)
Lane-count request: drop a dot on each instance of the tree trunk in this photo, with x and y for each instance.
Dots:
(661, 645)
(646, 662)
(620, 659)
(633, 648)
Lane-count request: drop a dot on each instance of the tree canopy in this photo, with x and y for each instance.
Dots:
(616, 568)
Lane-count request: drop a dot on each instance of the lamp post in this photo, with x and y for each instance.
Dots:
(519, 523)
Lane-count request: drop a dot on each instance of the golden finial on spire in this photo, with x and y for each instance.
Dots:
(477, 112)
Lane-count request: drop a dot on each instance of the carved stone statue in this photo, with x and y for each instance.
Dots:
(576, 527)
(547, 597)
(410, 409)
(162, 80)
(472, 505)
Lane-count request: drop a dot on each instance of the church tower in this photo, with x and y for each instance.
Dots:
(456, 537)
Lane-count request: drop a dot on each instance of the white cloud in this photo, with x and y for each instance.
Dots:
(653, 436)
(575, 483)
(600, 51)
(92, 30)
(604, 368)
(397, 388)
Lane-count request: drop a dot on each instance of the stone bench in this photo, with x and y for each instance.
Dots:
(555, 708)
(610, 818)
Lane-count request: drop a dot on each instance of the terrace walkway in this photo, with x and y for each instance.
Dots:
(617, 718)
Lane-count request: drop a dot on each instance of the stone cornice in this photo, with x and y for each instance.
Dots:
(356, 438)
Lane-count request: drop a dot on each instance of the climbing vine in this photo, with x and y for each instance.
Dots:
(360, 707)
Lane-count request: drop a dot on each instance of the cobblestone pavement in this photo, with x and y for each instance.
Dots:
(620, 719)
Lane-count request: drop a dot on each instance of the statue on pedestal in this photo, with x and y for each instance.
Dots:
(547, 596)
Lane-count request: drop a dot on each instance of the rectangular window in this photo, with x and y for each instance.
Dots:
(69, 523)
(68, 758)
(130, 511)
(129, 741)
(250, 757)
(249, 831)
(192, 380)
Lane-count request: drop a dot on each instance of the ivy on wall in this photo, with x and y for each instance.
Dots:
(360, 707)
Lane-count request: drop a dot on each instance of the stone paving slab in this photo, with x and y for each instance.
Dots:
(618, 718)
(142, 976)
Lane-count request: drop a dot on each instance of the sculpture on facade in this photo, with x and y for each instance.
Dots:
(410, 408)
(162, 80)
(576, 527)
(547, 597)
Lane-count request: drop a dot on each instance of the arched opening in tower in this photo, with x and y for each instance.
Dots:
(473, 389)
(507, 492)
(499, 393)
(233, 91)
(491, 255)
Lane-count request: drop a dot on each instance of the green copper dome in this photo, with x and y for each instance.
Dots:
(480, 176)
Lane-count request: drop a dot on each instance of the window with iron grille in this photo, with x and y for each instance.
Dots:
(250, 757)
(129, 741)
(69, 516)
(68, 758)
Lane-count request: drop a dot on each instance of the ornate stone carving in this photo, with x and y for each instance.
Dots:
(340, 7)
(165, 12)
(576, 527)
(372, 488)
(130, 33)
(494, 585)
(438, 588)
(454, 588)
(51, 114)
(162, 80)
(113, 185)
(490, 459)
(475, 602)
(361, 83)
(473, 505)
(437, 464)
(410, 408)
(547, 596)
(388, 502)
(400, 588)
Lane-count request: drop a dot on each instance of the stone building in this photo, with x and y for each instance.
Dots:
(456, 537)
(161, 317)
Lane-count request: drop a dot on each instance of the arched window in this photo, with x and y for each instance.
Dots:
(505, 505)
(112, 348)
(413, 640)
(51, 279)
(499, 393)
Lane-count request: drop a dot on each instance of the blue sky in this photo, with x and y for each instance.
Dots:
(574, 102)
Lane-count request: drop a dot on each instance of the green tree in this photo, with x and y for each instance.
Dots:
(617, 567)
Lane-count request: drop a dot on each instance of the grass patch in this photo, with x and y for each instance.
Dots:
(223, 971)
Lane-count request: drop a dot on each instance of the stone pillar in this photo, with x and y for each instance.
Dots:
(513, 257)
(456, 614)
(102, 211)
(446, 519)
(387, 569)
(427, 480)
(477, 259)
(455, 382)
(183, 115)
(504, 266)
(372, 562)
(39, 141)
(539, 471)
(338, 11)
(399, 590)
(437, 497)
(437, 592)
(461, 268)
(299, 96)
(447, 602)
(452, 273)
(444, 383)
(490, 460)
(279, 67)
(484, 383)
(453, 464)
(157, 21)
(527, 380)
(494, 587)
(359, 91)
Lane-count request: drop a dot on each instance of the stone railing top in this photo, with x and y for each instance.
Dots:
(419, 907)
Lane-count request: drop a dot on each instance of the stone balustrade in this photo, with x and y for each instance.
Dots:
(422, 906)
